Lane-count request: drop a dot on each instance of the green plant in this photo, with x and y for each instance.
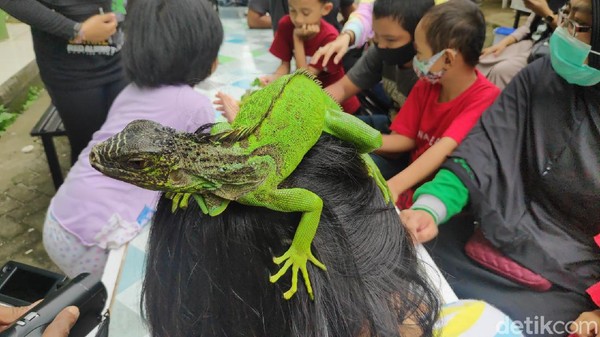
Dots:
(7, 117)
(33, 93)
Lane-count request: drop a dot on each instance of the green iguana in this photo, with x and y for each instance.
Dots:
(245, 161)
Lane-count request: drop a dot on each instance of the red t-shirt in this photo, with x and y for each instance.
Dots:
(425, 120)
(283, 48)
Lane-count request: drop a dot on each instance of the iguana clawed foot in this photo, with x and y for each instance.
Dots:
(179, 200)
(297, 259)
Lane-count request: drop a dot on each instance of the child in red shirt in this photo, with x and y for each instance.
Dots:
(300, 34)
(448, 100)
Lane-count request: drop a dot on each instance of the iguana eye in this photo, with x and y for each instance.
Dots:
(137, 163)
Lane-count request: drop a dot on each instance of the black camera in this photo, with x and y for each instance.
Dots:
(84, 291)
(21, 284)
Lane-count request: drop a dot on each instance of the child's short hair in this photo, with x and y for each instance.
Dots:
(407, 13)
(170, 42)
(457, 24)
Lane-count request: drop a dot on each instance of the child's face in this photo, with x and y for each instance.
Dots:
(424, 52)
(389, 34)
(308, 12)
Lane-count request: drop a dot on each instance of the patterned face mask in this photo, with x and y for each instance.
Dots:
(422, 68)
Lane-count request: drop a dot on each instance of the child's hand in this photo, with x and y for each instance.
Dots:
(419, 224)
(228, 105)
(338, 47)
(307, 31)
(586, 325)
(265, 80)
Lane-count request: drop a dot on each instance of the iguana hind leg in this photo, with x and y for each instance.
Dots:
(299, 253)
(365, 138)
(379, 179)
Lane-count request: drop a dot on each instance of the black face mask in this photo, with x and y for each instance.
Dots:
(397, 56)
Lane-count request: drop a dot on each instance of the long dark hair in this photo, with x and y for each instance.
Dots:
(209, 276)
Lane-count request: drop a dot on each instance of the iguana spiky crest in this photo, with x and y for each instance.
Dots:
(245, 161)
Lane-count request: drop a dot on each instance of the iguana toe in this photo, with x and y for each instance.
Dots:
(297, 259)
(179, 200)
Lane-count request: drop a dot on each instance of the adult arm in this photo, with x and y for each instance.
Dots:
(96, 28)
(257, 14)
(39, 16)
(516, 36)
(257, 20)
(436, 201)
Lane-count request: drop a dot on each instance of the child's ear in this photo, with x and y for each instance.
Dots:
(214, 65)
(327, 7)
(450, 58)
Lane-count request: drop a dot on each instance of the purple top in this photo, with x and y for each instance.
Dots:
(106, 212)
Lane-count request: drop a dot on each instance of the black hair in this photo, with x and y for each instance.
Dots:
(407, 13)
(170, 42)
(593, 59)
(457, 24)
(209, 276)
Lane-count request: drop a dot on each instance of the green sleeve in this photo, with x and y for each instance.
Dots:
(448, 189)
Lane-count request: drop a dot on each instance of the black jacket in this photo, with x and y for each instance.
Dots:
(535, 155)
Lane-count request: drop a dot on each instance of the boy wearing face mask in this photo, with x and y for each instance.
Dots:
(389, 60)
(447, 101)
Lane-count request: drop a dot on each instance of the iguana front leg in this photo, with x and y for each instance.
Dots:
(351, 129)
(294, 200)
(366, 139)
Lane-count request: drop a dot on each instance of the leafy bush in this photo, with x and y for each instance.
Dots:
(7, 118)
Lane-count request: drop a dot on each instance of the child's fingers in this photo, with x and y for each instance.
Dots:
(427, 233)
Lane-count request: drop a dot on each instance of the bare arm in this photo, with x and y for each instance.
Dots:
(257, 20)
(395, 143)
(342, 89)
(422, 167)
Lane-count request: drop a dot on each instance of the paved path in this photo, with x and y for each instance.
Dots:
(25, 189)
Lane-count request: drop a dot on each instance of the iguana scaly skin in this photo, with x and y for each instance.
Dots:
(245, 161)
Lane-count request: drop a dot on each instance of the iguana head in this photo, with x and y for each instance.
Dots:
(143, 154)
(159, 158)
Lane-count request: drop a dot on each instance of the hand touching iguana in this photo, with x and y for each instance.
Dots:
(245, 161)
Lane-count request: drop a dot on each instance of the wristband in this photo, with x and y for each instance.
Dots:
(77, 33)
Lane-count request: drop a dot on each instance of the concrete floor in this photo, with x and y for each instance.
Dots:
(26, 187)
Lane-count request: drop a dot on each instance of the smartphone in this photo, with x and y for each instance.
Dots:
(22, 284)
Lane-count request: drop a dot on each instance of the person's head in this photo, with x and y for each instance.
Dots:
(308, 12)
(575, 44)
(449, 39)
(394, 24)
(209, 276)
(170, 42)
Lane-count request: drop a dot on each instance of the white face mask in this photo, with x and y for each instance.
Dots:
(423, 68)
